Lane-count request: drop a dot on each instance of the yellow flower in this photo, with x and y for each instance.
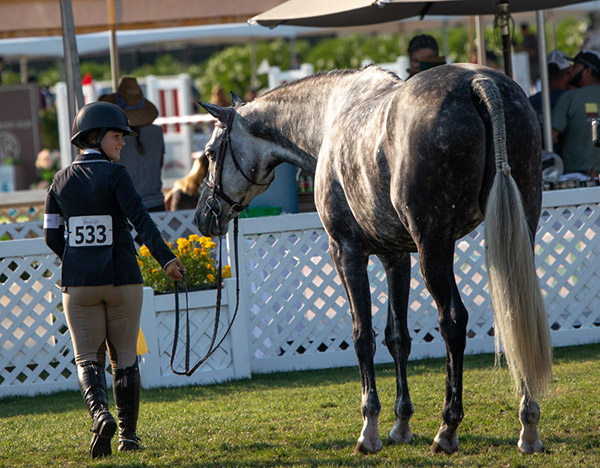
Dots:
(183, 245)
(197, 254)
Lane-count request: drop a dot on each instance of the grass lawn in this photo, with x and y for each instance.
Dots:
(313, 418)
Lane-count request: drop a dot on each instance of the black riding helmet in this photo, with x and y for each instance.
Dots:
(100, 116)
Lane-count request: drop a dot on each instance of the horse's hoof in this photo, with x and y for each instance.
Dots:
(444, 445)
(367, 448)
(400, 438)
(530, 448)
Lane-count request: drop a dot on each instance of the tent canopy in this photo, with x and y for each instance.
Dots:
(52, 46)
(27, 18)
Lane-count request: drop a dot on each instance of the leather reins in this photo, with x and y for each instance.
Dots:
(214, 205)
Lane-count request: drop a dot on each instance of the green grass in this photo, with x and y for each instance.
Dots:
(313, 419)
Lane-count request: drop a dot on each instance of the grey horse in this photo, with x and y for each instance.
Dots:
(405, 167)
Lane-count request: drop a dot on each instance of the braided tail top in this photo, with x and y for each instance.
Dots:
(490, 96)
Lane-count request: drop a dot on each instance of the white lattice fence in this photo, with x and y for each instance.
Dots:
(293, 312)
(172, 224)
(297, 312)
(35, 347)
(158, 323)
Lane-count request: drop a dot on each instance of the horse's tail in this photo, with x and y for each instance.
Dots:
(519, 313)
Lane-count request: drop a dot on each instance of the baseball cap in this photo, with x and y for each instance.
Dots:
(560, 59)
(589, 58)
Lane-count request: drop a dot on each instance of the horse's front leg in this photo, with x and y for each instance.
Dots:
(529, 415)
(437, 268)
(352, 268)
(397, 339)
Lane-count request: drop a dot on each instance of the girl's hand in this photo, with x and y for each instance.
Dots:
(174, 270)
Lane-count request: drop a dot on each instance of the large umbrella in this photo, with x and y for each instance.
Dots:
(339, 13)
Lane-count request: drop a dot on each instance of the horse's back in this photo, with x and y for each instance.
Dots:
(419, 155)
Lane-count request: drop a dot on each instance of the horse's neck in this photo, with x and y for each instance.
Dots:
(299, 117)
(303, 111)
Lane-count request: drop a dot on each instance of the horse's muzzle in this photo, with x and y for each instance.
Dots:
(208, 223)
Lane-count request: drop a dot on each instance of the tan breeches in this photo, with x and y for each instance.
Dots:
(101, 317)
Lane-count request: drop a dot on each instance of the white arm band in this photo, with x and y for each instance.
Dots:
(53, 221)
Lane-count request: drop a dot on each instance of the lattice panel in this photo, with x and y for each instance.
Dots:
(26, 230)
(201, 329)
(35, 345)
(175, 224)
(172, 225)
(297, 304)
(568, 250)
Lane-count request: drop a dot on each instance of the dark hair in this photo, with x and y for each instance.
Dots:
(90, 137)
(423, 41)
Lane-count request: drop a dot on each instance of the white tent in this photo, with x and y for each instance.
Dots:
(52, 46)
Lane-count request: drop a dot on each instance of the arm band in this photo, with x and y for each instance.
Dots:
(53, 221)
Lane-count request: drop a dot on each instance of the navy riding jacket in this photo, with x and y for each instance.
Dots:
(85, 224)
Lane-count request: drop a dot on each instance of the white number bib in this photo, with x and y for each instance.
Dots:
(90, 231)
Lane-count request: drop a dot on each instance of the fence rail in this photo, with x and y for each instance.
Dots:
(293, 313)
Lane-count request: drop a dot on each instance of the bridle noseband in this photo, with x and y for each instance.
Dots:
(212, 202)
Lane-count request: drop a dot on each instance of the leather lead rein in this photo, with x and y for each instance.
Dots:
(212, 347)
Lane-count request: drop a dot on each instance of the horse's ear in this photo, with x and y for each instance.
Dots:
(218, 112)
(236, 100)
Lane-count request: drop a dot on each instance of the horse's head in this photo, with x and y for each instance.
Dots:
(236, 171)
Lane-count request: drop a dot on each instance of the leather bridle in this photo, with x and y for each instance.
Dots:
(213, 201)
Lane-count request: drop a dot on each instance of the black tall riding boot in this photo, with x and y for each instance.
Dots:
(126, 389)
(92, 383)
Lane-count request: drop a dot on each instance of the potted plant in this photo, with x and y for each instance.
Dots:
(197, 255)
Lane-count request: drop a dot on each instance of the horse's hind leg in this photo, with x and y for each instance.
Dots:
(351, 265)
(529, 415)
(397, 339)
(437, 267)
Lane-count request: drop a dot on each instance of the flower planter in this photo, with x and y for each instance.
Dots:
(158, 324)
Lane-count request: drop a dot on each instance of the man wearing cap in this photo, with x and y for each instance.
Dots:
(143, 155)
(559, 74)
(573, 113)
(421, 47)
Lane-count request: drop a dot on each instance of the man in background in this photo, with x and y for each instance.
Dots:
(559, 74)
(421, 47)
(573, 114)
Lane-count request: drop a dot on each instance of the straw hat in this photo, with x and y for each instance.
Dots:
(130, 98)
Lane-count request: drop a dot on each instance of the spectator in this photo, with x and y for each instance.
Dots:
(420, 47)
(143, 154)
(573, 113)
(559, 74)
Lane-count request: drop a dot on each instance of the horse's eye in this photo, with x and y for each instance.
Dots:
(209, 154)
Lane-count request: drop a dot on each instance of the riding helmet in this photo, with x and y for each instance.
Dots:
(101, 116)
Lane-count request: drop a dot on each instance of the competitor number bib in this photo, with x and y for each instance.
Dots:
(90, 231)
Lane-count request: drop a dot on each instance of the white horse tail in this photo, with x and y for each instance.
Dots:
(520, 318)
